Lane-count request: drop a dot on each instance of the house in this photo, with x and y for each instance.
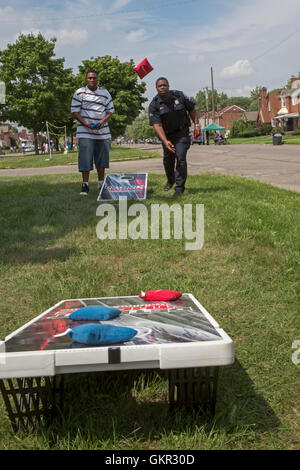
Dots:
(223, 117)
(9, 137)
(281, 109)
(251, 116)
(227, 115)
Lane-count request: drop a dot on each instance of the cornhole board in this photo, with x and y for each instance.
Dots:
(129, 185)
(179, 337)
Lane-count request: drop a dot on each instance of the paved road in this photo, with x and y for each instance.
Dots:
(276, 165)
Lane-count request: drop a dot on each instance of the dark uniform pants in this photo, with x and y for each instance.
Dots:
(177, 174)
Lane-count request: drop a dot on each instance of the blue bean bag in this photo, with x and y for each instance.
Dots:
(98, 334)
(95, 312)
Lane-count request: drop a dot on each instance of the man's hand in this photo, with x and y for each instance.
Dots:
(169, 146)
(96, 125)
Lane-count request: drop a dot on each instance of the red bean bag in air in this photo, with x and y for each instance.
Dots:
(143, 68)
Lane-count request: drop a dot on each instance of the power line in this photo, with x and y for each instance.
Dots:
(275, 45)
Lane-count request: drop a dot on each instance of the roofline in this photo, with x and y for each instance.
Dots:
(221, 112)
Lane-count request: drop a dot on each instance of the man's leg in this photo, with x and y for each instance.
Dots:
(85, 162)
(101, 173)
(181, 148)
(85, 176)
(101, 158)
(169, 166)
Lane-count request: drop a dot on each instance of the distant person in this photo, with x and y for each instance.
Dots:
(207, 137)
(92, 107)
(169, 113)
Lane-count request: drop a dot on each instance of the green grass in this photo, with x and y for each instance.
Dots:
(246, 276)
(41, 161)
(266, 139)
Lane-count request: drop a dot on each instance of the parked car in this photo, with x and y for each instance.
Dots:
(30, 148)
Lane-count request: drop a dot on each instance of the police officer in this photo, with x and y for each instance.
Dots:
(169, 113)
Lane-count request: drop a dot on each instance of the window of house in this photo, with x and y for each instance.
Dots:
(283, 102)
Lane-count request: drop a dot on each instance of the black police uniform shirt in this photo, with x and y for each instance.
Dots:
(171, 113)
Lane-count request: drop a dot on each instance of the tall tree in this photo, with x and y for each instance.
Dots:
(140, 128)
(121, 81)
(38, 87)
(254, 97)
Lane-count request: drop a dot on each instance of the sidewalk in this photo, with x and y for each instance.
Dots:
(275, 165)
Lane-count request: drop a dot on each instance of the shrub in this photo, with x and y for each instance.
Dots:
(278, 129)
(250, 133)
(265, 129)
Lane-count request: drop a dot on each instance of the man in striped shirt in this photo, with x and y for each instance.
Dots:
(92, 107)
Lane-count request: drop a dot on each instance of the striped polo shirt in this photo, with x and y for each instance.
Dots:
(92, 106)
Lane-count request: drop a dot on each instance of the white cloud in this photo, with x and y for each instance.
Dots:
(245, 91)
(65, 37)
(70, 37)
(136, 35)
(241, 68)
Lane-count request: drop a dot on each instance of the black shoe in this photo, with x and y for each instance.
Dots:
(84, 189)
(168, 186)
(178, 193)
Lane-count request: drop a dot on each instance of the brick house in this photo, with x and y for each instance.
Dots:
(7, 133)
(223, 117)
(281, 109)
(226, 116)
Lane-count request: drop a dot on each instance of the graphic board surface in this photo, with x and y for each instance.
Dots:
(180, 321)
(129, 185)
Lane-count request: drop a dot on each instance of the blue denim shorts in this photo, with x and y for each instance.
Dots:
(93, 151)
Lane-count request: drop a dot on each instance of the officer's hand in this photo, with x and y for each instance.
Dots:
(170, 146)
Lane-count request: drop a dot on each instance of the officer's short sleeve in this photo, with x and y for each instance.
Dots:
(154, 116)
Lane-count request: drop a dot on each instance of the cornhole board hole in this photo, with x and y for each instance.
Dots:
(179, 339)
(129, 185)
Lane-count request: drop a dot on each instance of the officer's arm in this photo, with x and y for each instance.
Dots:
(162, 136)
(193, 114)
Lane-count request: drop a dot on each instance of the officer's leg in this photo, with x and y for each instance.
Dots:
(181, 147)
(169, 165)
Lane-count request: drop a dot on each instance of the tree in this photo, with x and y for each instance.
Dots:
(38, 87)
(140, 128)
(121, 81)
(254, 98)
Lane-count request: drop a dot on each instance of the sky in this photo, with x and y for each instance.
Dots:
(247, 43)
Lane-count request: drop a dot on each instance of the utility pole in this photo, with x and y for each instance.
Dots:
(213, 94)
(207, 112)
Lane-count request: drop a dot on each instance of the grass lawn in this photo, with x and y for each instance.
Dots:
(266, 139)
(39, 161)
(246, 275)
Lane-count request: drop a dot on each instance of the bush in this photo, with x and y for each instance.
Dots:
(297, 131)
(250, 133)
(278, 129)
(238, 128)
(265, 129)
